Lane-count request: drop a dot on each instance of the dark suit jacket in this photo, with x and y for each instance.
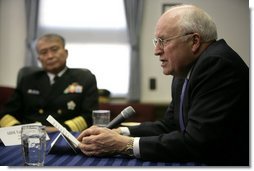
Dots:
(216, 114)
(74, 94)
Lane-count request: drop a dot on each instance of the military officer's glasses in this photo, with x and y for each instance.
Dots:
(162, 42)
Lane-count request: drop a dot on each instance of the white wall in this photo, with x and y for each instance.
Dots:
(231, 17)
(12, 38)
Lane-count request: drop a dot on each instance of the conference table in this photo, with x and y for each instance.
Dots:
(62, 155)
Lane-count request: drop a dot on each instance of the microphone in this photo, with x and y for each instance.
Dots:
(126, 113)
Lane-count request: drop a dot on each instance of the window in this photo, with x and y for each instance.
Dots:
(96, 38)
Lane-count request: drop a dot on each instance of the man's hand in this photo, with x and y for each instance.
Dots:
(117, 130)
(51, 129)
(98, 141)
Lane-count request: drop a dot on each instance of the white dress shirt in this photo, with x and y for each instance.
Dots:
(52, 76)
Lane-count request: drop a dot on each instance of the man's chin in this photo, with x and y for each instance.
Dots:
(51, 70)
(166, 72)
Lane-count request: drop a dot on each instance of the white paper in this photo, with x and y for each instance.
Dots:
(63, 130)
(12, 135)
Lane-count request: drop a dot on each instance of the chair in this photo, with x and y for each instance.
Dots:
(104, 95)
(25, 71)
(5, 94)
(144, 112)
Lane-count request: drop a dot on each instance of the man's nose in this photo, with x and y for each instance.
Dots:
(50, 54)
(157, 50)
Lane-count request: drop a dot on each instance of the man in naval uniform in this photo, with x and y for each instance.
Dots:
(69, 95)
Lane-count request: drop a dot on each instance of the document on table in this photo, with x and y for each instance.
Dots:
(12, 135)
(63, 130)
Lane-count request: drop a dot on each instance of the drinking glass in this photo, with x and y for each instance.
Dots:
(101, 117)
(33, 140)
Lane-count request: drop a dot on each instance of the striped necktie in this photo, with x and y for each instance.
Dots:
(181, 114)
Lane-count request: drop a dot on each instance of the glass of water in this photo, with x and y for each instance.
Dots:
(101, 118)
(33, 140)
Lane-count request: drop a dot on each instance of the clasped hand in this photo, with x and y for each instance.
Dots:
(100, 141)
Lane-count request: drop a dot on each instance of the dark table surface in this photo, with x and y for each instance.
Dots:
(63, 156)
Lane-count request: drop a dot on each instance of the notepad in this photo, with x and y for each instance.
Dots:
(63, 131)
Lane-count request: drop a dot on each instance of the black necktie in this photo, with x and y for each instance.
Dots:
(55, 78)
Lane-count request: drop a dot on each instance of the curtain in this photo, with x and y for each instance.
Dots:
(31, 8)
(134, 14)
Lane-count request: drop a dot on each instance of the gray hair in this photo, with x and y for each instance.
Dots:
(196, 20)
(52, 36)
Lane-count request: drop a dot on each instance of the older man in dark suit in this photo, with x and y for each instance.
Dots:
(69, 95)
(208, 118)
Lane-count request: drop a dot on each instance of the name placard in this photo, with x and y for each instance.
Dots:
(12, 135)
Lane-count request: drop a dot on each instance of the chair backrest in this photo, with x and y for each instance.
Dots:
(25, 71)
(5, 94)
(144, 112)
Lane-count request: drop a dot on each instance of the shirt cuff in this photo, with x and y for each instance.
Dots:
(136, 151)
(124, 131)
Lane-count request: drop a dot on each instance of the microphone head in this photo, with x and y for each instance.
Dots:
(128, 112)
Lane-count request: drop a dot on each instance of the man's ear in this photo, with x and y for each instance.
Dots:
(196, 42)
(67, 53)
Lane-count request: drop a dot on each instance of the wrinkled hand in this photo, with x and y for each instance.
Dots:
(117, 130)
(98, 141)
(51, 129)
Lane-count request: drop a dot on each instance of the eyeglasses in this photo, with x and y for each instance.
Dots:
(162, 42)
